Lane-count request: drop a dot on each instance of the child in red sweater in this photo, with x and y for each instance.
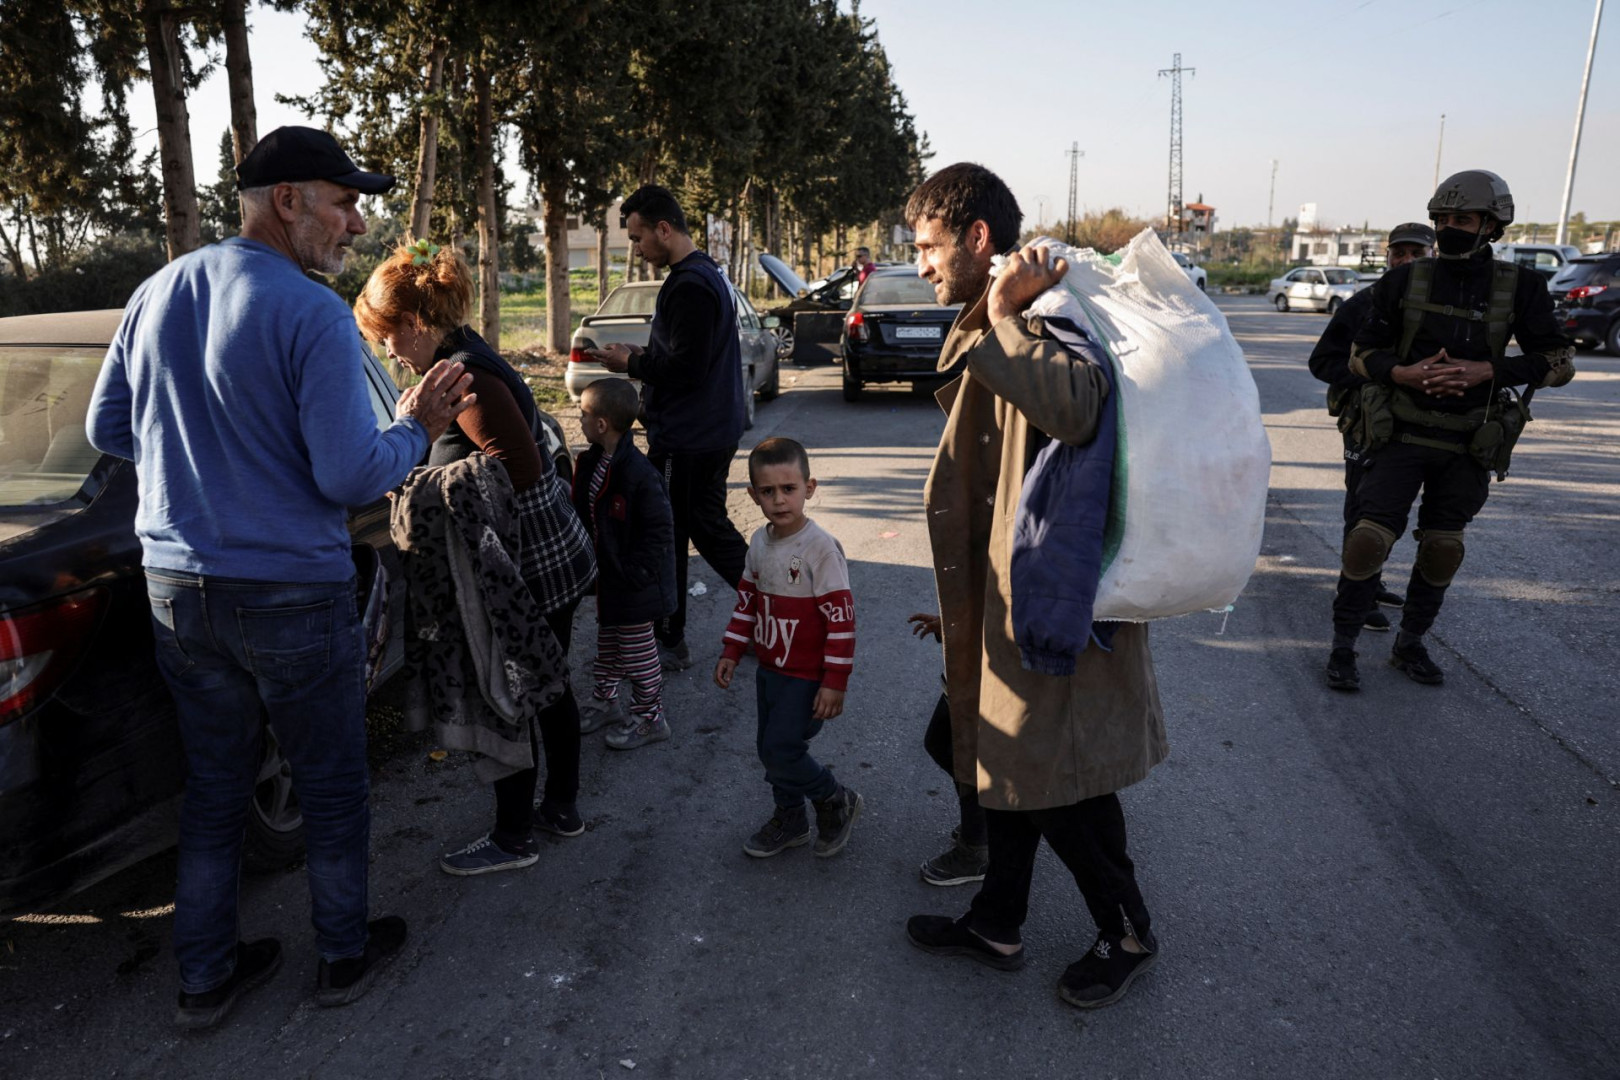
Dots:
(795, 606)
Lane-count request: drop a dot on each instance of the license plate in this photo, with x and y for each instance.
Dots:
(916, 333)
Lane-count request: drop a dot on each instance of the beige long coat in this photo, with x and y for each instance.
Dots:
(1029, 741)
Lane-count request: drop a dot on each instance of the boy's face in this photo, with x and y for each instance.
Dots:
(594, 426)
(780, 491)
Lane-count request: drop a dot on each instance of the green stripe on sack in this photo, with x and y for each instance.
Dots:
(1114, 532)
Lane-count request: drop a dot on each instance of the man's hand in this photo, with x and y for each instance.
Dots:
(438, 399)
(723, 672)
(829, 703)
(1023, 277)
(615, 356)
(1428, 374)
(1461, 376)
(922, 625)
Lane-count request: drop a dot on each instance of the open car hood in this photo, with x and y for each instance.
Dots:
(781, 273)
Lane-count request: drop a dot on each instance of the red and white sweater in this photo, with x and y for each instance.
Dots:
(795, 606)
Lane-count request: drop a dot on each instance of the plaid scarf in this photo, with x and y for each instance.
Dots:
(557, 555)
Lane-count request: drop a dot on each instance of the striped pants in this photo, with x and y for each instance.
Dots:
(630, 652)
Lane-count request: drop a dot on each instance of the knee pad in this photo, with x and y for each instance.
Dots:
(1439, 554)
(1365, 549)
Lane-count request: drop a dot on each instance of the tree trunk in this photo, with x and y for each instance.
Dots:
(489, 253)
(13, 256)
(239, 77)
(427, 151)
(559, 320)
(601, 263)
(181, 224)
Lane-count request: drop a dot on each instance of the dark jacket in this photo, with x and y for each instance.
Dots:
(691, 369)
(475, 354)
(1330, 360)
(635, 536)
(1059, 545)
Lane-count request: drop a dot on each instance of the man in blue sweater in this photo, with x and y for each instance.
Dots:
(236, 386)
(692, 369)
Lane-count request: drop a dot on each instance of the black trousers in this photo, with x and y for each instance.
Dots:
(937, 741)
(558, 736)
(1089, 836)
(697, 497)
(1453, 487)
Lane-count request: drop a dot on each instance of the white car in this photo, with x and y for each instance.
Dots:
(1199, 276)
(1314, 288)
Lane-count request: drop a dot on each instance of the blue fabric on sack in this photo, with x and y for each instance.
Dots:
(1058, 532)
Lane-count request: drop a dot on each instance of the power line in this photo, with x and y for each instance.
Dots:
(1173, 211)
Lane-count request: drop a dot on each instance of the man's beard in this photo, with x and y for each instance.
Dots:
(313, 252)
(959, 280)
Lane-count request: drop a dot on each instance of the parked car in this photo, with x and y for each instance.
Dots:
(1586, 299)
(626, 317)
(1200, 276)
(813, 321)
(90, 761)
(894, 332)
(1314, 288)
(1544, 259)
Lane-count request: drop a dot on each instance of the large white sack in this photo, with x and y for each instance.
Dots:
(1193, 461)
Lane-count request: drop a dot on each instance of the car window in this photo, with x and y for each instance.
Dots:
(1576, 273)
(898, 289)
(1342, 277)
(747, 318)
(1314, 277)
(630, 300)
(45, 456)
(1297, 275)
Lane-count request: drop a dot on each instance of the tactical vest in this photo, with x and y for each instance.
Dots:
(1495, 427)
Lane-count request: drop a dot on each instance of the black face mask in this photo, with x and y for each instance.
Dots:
(1456, 243)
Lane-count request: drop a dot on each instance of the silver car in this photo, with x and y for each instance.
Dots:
(626, 316)
(1314, 288)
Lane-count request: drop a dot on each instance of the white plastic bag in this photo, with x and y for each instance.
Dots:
(1193, 462)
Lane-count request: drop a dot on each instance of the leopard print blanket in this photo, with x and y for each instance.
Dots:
(480, 660)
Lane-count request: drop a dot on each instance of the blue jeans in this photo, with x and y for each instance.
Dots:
(786, 725)
(235, 655)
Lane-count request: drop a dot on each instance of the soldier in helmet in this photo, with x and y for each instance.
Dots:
(1330, 362)
(1438, 413)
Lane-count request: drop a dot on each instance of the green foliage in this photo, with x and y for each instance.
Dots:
(95, 277)
(221, 209)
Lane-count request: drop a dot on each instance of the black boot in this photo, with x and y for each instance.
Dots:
(1341, 670)
(1412, 658)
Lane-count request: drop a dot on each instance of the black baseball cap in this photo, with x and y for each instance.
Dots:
(290, 154)
(1413, 232)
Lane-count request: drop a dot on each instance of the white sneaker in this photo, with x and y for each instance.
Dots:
(596, 713)
(634, 734)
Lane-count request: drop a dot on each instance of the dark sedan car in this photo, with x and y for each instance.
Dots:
(1586, 298)
(894, 332)
(90, 763)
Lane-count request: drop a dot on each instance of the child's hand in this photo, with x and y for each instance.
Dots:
(829, 703)
(723, 672)
(924, 625)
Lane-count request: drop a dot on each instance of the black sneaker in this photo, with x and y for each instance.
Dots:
(1414, 660)
(1390, 599)
(787, 828)
(676, 657)
(344, 981)
(959, 864)
(835, 816)
(1102, 976)
(944, 936)
(1375, 620)
(1341, 670)
(256, 962)
(558, 819)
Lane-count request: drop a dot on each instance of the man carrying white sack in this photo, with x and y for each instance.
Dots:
(1047, 752)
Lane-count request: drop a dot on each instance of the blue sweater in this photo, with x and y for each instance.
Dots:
(237, 387)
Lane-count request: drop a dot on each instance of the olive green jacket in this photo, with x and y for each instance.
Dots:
(1028, 741)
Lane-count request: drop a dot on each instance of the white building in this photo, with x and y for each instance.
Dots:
(1338, 247)
(581, 236)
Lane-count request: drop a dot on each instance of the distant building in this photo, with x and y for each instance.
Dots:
(581, 236)
(1338, 247)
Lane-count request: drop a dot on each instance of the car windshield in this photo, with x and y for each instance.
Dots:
(630, 300)
(1180, 258)
(898, 289)
(44, 398)
(1342, 277)
(1576, 273)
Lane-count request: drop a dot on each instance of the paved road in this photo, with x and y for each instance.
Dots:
(1407, 883)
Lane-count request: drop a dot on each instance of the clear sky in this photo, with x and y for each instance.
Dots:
(1345, 94)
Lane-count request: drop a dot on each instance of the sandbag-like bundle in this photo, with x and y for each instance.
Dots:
(1193, 462)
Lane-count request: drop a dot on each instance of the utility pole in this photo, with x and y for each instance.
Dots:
(1441, 145)
(1271, 203)
(1173, 213)
(1072, 235)
(1580, 118)
(1040, 213)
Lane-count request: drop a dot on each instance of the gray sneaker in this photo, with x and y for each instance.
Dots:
(835, 816)
(676, 657)
(485, 856)
(787, 828)
(957, 865)
(638, 733)
(596, 713)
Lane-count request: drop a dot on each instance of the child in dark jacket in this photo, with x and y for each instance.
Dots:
(621, 499)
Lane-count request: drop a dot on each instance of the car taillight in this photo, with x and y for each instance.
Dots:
(577, 356)
(1581, 292)
(855, 327)
(38, 647)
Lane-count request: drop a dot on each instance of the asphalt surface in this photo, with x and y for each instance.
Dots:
(1408, 882)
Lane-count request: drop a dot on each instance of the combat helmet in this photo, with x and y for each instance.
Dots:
(1477, 191)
